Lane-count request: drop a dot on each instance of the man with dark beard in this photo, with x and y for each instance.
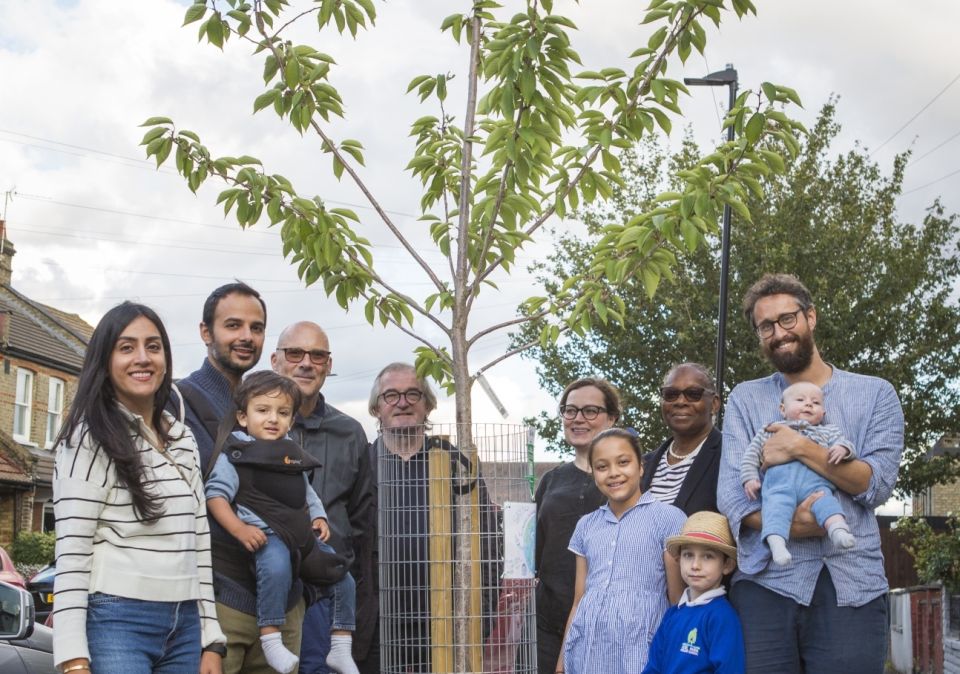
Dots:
(827, 612)
(233, 327)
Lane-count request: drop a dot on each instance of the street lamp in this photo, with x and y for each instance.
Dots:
(721, 78)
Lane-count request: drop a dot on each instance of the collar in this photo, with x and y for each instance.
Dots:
(645, 498)
(315, 418)
(704, 598)
(213, 380)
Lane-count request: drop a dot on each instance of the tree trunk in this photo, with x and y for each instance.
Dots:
(466, 652)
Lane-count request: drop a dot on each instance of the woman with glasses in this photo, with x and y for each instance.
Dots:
(564, 495)
(683, 470)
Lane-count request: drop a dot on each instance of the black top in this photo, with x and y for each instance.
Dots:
(699, 489)
(565, 494)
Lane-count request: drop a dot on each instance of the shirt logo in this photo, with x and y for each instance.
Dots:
(690, 646)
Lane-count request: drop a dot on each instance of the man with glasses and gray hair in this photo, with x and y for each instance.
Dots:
(827, 612)
(344, 483)
(420, 476)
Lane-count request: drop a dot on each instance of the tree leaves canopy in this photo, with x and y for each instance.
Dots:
(883, 288)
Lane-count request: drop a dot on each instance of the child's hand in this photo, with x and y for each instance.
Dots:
(250, 537)
(837, 454)
(752, 489)
(322, 529)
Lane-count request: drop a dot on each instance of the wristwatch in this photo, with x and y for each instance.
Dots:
(217, 648)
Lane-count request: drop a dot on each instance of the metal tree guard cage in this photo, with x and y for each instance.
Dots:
(456, 529)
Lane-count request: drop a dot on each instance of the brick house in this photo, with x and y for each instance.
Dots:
(41, 353)
(940, 499)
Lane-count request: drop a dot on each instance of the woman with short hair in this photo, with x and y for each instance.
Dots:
(683, 470)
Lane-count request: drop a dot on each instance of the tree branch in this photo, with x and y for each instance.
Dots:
(328, 143)
(667, 48)
(466, 161)
(512, 352)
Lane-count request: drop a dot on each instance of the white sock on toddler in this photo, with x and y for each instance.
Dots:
(840, 535)
(778, 548)
(340, 658)
(277, 654)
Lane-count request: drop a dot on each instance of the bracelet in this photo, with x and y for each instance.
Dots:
(75, 668)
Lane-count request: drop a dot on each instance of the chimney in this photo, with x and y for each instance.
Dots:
(7, 251)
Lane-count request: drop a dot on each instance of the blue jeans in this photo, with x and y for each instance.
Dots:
(786, 485)
(131, 636)
(337, 611)
(274, 577)
(785, 637)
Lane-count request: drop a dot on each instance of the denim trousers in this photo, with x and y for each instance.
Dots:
(785, 637)
(274, 577)
(335, 611)
(785, 486)
(132, 636)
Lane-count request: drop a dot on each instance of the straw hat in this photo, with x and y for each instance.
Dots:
(708, 529)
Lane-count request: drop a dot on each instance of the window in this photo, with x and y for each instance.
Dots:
(54, 410)
(22, 405)
(49, 520)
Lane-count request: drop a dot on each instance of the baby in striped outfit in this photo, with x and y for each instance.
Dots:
(785, 485)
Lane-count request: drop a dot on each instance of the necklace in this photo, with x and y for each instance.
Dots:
(679, 457)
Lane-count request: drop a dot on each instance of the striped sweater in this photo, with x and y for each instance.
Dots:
(103, 547)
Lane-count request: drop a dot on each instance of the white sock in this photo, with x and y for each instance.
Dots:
(340, 658)
(841, 536)
(277, 654)
(778, 548)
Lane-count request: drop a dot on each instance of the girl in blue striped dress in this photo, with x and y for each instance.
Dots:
(625, 578)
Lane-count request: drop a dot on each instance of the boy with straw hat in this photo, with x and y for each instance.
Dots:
(702, 632)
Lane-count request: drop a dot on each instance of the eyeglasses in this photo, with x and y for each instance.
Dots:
(412, 396)
(765, 329)
(691, 394)
(589, 412)
(295, 354)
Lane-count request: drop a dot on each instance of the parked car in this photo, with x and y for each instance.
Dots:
(25, 647)
(8, 572)
(41, 587)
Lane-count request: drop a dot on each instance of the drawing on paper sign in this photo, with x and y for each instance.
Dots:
(519, 533)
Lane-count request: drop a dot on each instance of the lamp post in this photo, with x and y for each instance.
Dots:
(721, 78)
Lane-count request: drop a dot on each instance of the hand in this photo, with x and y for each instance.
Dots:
(322, 529)
(837, 453)
(752, 489)
(781, 447)
(804, 524)
(211, 663)
(250, 537)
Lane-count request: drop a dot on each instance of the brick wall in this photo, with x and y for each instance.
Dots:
(41, 392)
(945, 498)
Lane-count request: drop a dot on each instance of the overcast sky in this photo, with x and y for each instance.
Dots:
(93, 224)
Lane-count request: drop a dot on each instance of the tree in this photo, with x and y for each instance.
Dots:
(534, 142)
(883, 288)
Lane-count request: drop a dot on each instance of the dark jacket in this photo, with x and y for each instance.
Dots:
(699, 489)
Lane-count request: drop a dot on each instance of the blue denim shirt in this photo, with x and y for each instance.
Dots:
(868, 412)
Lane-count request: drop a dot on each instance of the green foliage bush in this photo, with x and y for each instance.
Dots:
(34, 548)
(936, 555)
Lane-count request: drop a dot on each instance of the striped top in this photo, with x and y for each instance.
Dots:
(825, 435)
(626, 589)
(103, 547)
(869, 414)
(668, 479)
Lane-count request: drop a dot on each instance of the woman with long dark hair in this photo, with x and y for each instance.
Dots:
(133, 588)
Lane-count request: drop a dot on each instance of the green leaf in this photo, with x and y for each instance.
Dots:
(754, 128)
(195, 12)
(153, 121)
(770, 91)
